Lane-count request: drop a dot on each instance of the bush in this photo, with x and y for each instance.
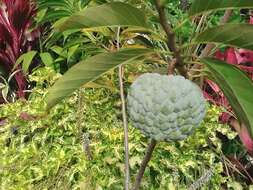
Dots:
(47, 152)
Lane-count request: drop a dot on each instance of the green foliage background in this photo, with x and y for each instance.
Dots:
(48, 153)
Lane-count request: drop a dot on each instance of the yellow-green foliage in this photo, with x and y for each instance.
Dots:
(53, 156)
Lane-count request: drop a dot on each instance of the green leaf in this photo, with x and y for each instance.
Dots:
(5, 92)
(2, 85)
(89, 70)
(2, 70)
(239, 35)
(57, 14)
(236, 86)
(72, 51)
(47, 59)
(200, 6)
(57, 49)
(26, 60)
(106, 15)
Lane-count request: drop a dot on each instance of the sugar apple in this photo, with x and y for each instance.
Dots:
(165, 108)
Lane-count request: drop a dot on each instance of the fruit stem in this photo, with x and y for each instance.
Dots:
(144, 164)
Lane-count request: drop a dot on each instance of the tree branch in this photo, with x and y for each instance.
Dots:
(144, 164)
(124, 116)
(171, 42)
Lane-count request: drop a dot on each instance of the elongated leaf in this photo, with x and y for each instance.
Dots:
(239, 35)
(237, 87)
(2, 71)
(47, 59)
(200, 6)
(63, 4)
(57, 14)
(111, 14)
(89, 70)
(26, 60)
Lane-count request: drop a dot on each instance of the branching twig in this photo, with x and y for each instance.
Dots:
(204, 179)
(124, 116)
(84, 137)
(171, 42)
(144, 164)
(209, 47)
(86, 145)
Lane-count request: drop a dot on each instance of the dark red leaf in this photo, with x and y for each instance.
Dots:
(16, 17)
(5, 36)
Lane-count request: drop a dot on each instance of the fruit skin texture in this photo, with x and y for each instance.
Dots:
(165, 108)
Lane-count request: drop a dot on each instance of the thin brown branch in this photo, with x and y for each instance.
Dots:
(144, 164)
(79, 123)
(171, 67)
(171, 42)
(86, 146)
(124, 116)
(209, 47)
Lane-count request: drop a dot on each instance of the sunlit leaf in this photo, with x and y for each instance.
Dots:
(47, 59)
(26, 60)
(200, 6)
(239, 35)
(89, 70)
(106, 15)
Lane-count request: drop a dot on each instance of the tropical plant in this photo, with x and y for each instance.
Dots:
(53, 10)
(189, 59)
(243, 59)
(62, 50)
(17, 36)
(47, 153)
(5, 87)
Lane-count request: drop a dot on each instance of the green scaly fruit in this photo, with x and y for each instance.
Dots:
(165, 108)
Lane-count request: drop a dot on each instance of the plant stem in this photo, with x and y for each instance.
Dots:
(84, 137)
(209, 47)
(124, 116)
(144, 164)
(171, 42)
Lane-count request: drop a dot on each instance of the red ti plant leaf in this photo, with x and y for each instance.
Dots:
(16, 18)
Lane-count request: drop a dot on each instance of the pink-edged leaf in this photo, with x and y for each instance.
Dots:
(225, 117)
(5, 36)
(246, 68)
(246, 139)
(251, 20)
(243, 134)
(209, 97)
(219, 55)
(230, 56)
(244, 56)
(214, 86)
